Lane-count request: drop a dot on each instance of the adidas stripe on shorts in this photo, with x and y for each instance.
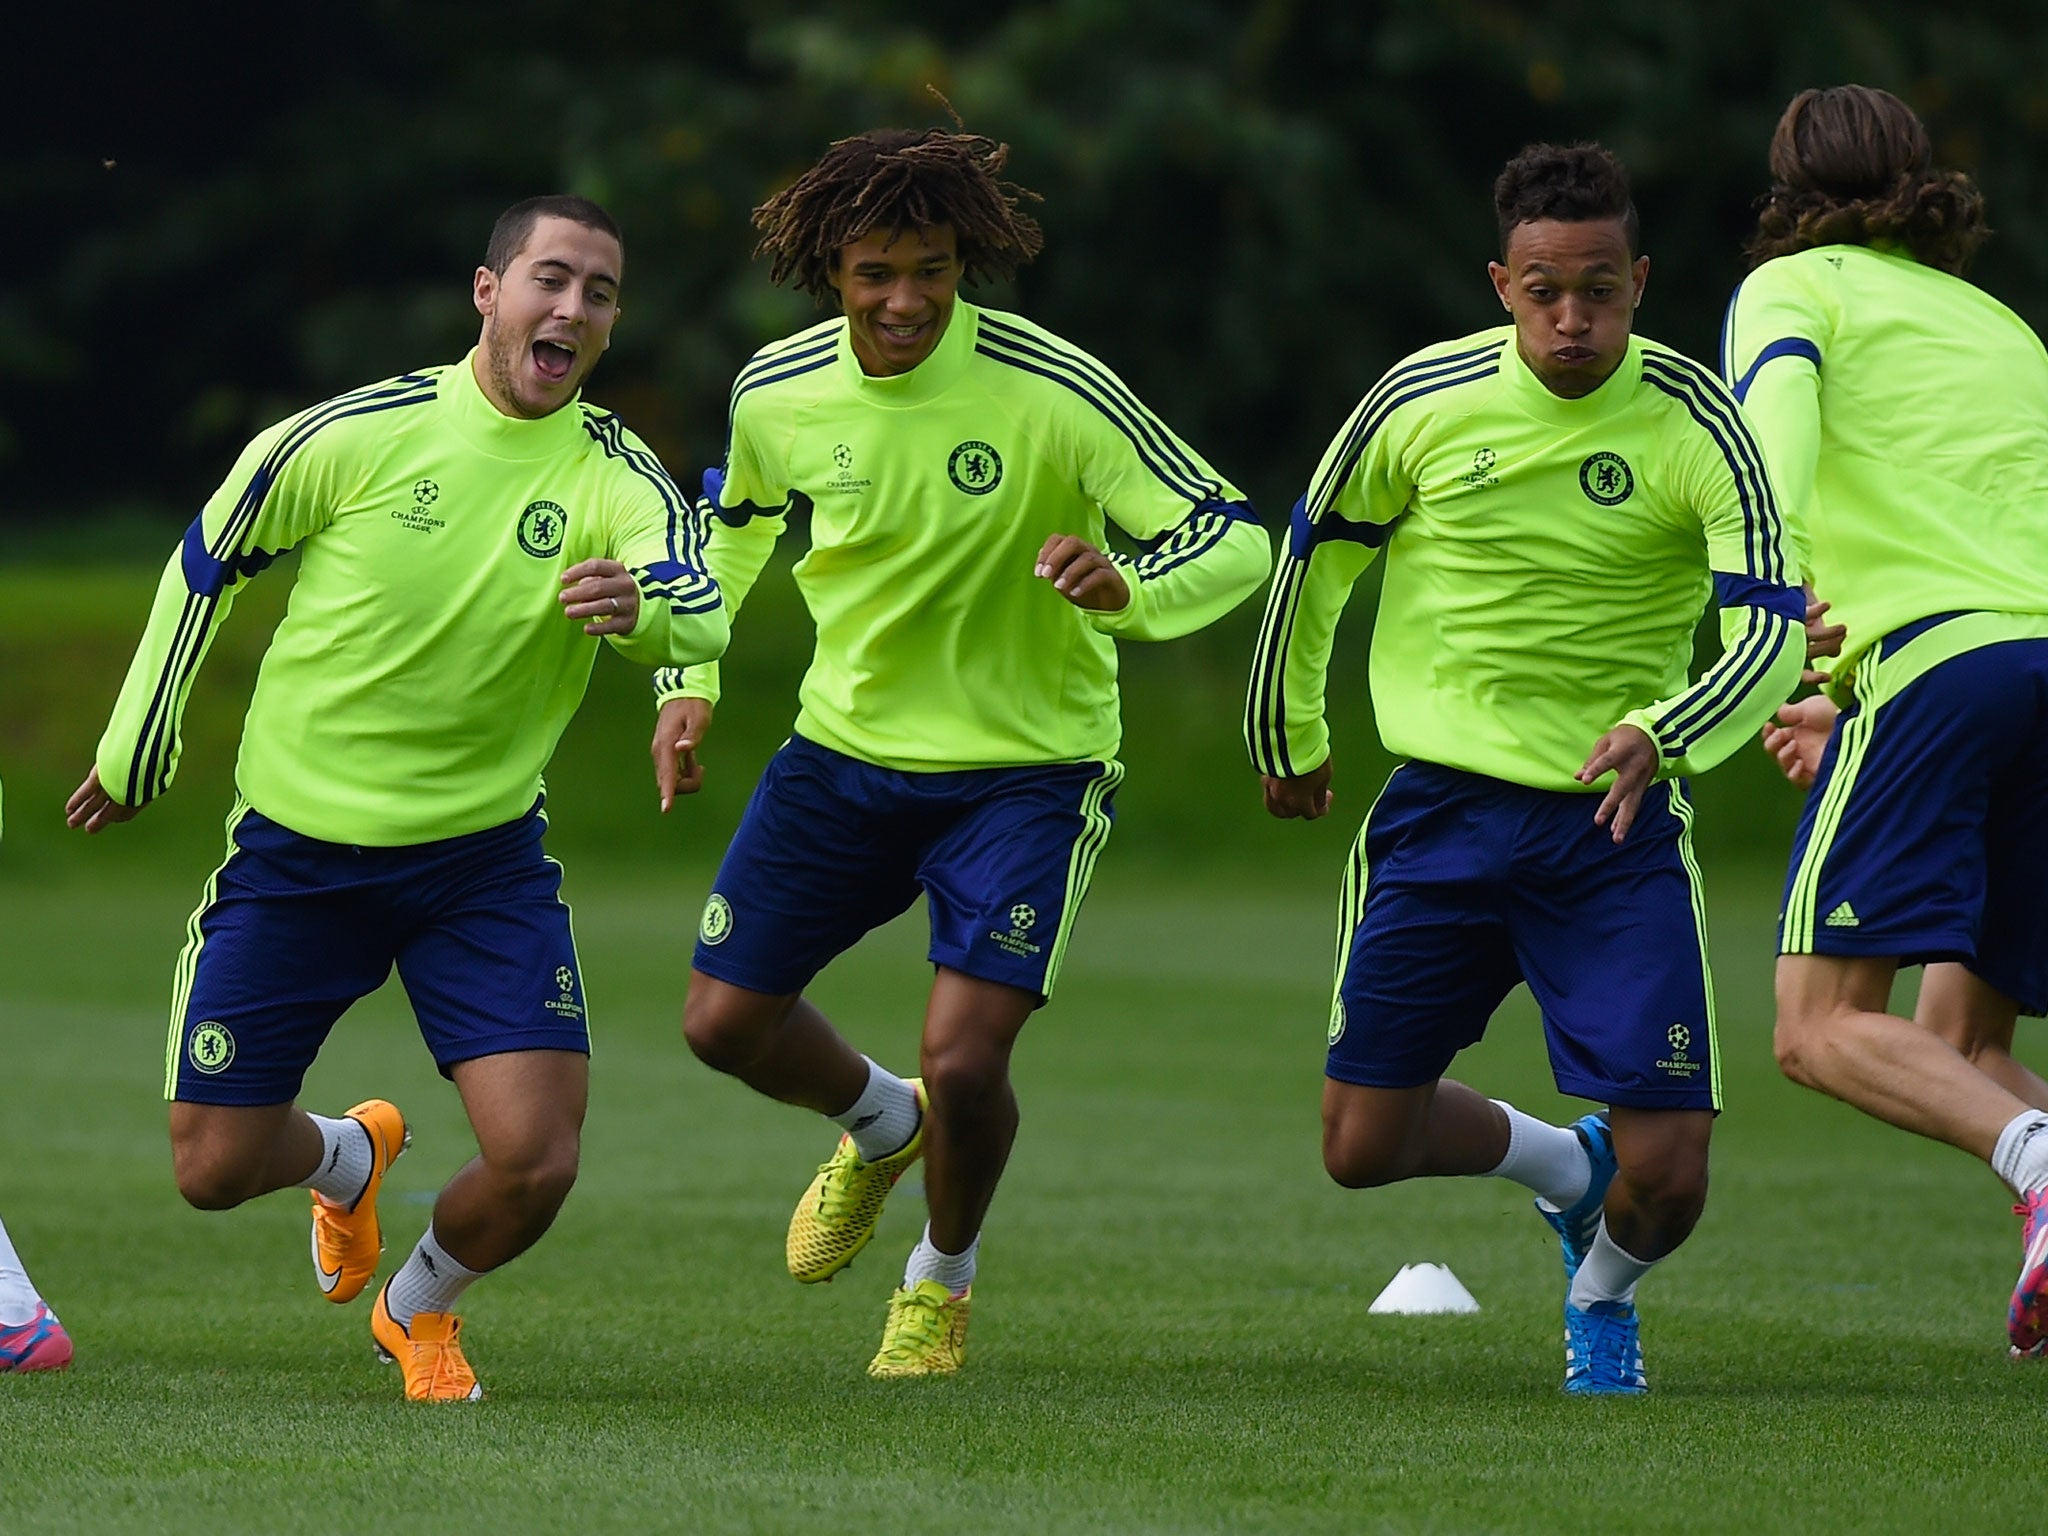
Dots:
(1925, 836)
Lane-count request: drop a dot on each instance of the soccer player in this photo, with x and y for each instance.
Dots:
(959, 721)
(31, 1338)
(466, 530)
(1904, 415)
(1556, 499)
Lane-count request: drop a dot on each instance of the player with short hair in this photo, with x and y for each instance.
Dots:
(1556, 499)
(959, 721)
(1904, 414)
(465, 531)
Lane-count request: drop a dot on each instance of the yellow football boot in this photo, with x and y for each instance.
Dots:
(346, 1238)
(837, 1214)
(926, 1334)
(430, 1354)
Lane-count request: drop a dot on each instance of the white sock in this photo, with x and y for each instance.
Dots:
(1548, 1159)
(884, 1118)
(429, 1281)
(345, 1161)
(1610, 1272)
(18, 1298)
(955, 1271)
(2021, 1156)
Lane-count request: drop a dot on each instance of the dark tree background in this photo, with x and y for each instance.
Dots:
(1251, 209)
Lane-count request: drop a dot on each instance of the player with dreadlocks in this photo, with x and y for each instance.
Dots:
(959, 723)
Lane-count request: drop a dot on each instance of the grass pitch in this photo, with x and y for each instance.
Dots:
(1170, 1330)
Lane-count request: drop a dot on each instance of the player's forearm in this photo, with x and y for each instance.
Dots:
(735, 552)
(1763, 653)
(138, 754)
(1211, 563)
(1283, 725)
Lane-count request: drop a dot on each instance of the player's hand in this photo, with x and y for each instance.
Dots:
(1822, 639)
(1628, 753)
(93, 809)
(1307, 795)
(678, 732)
(1799, 736)
(1083, 574)
(601, 592)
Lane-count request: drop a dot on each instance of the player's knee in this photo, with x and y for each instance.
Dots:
(212, 1183)
(539, 1177)
(721, 1036)
(1800, 1043)
(966, 1077)
(1663, 1178)
(1357, 1157)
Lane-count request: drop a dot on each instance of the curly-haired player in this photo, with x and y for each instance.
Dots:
(1904, 415)
(959, 723)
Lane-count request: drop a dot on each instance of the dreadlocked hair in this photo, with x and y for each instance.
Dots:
(899, 179)
(1852, 165)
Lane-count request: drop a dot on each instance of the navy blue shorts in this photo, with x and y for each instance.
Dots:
(1460, 886)
(293, 930)
(1925, 836)
(831, 847)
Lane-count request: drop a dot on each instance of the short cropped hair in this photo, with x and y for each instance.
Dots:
(1852, 164)
(515, 225)
(1573, 183)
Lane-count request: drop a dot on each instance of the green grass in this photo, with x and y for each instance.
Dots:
(1170, 1330)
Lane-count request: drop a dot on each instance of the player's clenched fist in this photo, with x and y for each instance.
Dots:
(1083, 574)
(1306, 795)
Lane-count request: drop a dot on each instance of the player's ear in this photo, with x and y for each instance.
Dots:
(1639, 273)
(1499, 274)
(484, 291)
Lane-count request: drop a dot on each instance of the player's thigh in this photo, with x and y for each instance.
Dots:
(1896, 845)
(285, 938)
(1613, 941)
(822, 855)
(488, 954)
(2012, 938)
(1423, 955)
(1007, 863)
(526, 1107)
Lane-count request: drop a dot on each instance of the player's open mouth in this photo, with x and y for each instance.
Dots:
(552, 360)
(904, 334)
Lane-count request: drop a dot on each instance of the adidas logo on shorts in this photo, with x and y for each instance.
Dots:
(1843, 916)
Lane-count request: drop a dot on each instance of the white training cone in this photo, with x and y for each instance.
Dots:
(1424, 1288)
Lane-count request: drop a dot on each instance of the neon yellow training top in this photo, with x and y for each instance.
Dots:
(931, 494)
(424, 671)
(1904, 415)
(1547, 561)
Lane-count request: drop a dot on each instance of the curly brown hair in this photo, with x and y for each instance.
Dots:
(899, 179)
(1851, 165)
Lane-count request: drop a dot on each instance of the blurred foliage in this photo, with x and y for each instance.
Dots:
(1189, 803)
(1251, 208)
